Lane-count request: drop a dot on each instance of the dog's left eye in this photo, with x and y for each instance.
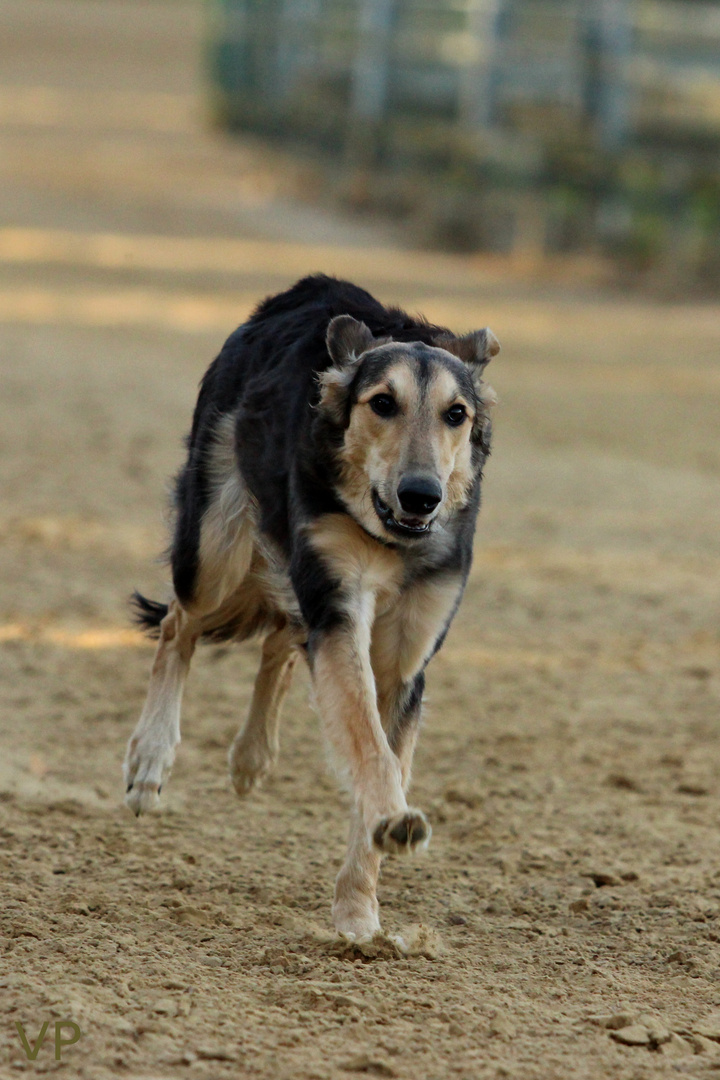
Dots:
(455, 415)
(383, 405)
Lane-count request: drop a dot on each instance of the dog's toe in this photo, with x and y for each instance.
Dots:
(147, 766)
(357, 923)
(402, 833)
(142, 797)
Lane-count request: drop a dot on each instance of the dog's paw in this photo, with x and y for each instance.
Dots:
(356, 923)
(250, 762)
(146, 769)
(142, 797)
(403, 833)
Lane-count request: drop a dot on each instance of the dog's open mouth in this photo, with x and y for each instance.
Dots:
(406, 526)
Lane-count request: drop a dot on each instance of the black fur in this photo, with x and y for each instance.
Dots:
(148, 614)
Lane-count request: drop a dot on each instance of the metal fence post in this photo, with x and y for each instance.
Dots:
(294, 51)
(370, 77)
(479, 83)
(614, 32)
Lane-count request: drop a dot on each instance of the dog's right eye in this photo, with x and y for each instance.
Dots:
(383, 405)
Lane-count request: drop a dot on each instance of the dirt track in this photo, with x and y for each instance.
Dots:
(569, 760)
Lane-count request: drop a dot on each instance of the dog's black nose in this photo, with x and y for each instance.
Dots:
(419, 494)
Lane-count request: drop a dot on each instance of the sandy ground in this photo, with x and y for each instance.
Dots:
(569, 761)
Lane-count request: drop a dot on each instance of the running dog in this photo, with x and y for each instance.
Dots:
(328, 502)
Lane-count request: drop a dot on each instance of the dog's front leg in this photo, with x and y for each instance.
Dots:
(355, 907)
(382, 822)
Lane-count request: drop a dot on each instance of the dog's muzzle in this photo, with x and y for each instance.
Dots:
(419, 495)
(418, 498)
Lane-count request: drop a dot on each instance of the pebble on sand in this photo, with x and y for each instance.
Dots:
(646, 1030)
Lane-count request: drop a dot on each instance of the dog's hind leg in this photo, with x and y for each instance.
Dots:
(211, 555)
(151, 750)
(255, 748)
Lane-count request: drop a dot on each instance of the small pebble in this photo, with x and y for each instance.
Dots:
(657, 1031)
(692, 789)
(622, 782)
(612, 1021)
(603, 878)
(166, 1007)
(634, 1035)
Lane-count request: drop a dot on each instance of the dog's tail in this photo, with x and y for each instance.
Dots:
(148, 613)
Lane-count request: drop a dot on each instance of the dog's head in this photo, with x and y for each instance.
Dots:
(415, 424)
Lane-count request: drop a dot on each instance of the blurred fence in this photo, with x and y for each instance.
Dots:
(499, 124)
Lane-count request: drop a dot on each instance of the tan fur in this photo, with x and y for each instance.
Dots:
(345, 691)
(334, 384)
(355, 907)
(475, 349)
(241, 573)
(228, 526)
(353, 557)
(405, 635)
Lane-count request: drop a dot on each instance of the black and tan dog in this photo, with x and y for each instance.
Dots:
(329, 503)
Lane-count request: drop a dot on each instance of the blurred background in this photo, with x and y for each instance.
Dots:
(549, 169)
(528, 126)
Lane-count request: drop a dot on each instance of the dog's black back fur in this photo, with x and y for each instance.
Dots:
(267, 374)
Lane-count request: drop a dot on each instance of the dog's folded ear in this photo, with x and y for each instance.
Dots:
(347, 339)
(475, 349)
